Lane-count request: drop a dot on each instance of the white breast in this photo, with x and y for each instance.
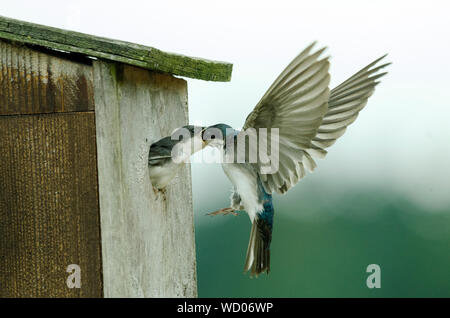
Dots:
(162, 175)
(245, 182)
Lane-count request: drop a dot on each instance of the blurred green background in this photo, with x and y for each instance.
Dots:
(326, 252)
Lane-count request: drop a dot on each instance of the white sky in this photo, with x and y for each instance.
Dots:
(401, 140)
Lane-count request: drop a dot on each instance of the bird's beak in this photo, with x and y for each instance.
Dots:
(204, 144)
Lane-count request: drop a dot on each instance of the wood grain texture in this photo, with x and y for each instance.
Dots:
(48, 205)
(32, 82)
(114, 50)
(148, 243)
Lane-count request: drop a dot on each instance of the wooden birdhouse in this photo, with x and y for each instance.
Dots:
(78, 216)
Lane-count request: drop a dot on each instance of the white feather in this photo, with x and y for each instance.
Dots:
(244, 181)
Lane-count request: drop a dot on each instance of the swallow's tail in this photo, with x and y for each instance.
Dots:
(258, 251)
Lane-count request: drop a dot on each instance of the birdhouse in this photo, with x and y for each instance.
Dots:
(79, 216)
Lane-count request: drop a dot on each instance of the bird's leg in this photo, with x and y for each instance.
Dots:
(223, 211)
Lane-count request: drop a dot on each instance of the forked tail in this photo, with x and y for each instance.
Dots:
(258, 251)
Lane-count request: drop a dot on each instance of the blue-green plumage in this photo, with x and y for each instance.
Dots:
(267, 214)
(263, 237)
(248, 194)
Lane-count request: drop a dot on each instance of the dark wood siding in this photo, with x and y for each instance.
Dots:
(48, 205)
(49, 211)
(33, 82)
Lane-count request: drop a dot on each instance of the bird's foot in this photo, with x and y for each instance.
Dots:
(159, 192)
(223, 211)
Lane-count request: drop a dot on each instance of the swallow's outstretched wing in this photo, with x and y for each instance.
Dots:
(346, 101)
(309, 117)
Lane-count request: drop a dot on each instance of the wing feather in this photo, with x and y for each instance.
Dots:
(295, 103)
(346, 101)
(309, 117)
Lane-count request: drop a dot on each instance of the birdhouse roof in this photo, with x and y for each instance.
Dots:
(114, 50)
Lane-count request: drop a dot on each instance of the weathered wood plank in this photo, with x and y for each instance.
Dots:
(119, 51)
(48, 205)
(32, 82)
(148, 243)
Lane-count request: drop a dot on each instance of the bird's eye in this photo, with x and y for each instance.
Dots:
(213, 137)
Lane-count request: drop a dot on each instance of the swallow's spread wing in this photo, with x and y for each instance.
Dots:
(295, 104)
(346, 101)
(308, 116)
